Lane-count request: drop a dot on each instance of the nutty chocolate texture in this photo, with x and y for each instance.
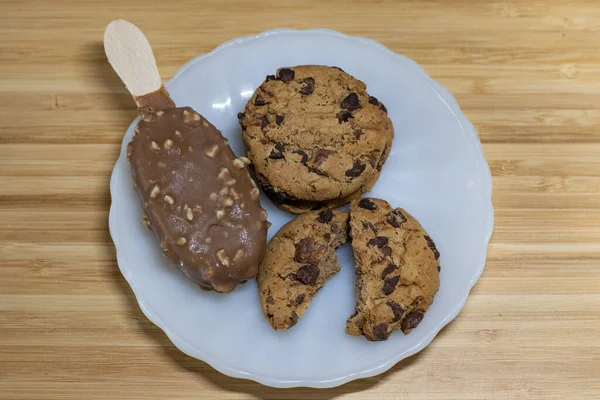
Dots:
(198, 198)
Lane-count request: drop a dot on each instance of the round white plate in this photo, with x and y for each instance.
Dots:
(436, 171)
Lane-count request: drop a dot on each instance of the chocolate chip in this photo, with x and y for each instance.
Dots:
(325, 216)
(350, 102)
(293, 319)
(279, 119)
(387, 251)
(388, 270)
(378, 241)
(279, 146)
(300, 299)
(373, 100)
(367, 204)
(241, 119)
(276, 155)
(308, 274)
(270, 300)
(382, 107)
(303, 154)
(327, 236)
(270, 78)
(393, 221)
(390, 284)
(412, 320)
(356, 170)
(439, 268)
(379, 332)
(259, 100)
(358, 133)
(303, 251)
(344, 115)
(396, 309)
(317, 171)
(308, 86)
(286, 75)
(368, 225)
(431, 245)
(264, 122)
(321, 156)
(398, 213)
(396, 218)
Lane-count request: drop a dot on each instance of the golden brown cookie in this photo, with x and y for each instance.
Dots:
(299, 259)
(314, 134)
(398, 267)
(302, 206)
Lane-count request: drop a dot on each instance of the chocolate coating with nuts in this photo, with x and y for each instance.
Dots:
(197, 200)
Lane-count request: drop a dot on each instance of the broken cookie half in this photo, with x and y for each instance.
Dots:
(299, 259)
(397, 266)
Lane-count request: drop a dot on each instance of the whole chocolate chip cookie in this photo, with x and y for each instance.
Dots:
(398, 266)
(314, 134)
(299, 259)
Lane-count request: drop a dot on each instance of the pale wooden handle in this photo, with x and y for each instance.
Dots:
(130, 55)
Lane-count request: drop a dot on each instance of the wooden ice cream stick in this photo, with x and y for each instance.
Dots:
(130, 55)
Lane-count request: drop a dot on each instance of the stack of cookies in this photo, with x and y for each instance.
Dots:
(315, 137)
(317, 140)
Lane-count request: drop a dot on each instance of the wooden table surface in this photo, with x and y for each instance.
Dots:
(527, 74)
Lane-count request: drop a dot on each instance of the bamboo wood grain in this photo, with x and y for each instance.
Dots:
(527, 74)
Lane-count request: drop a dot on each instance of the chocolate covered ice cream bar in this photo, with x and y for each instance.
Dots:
(197, 197)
